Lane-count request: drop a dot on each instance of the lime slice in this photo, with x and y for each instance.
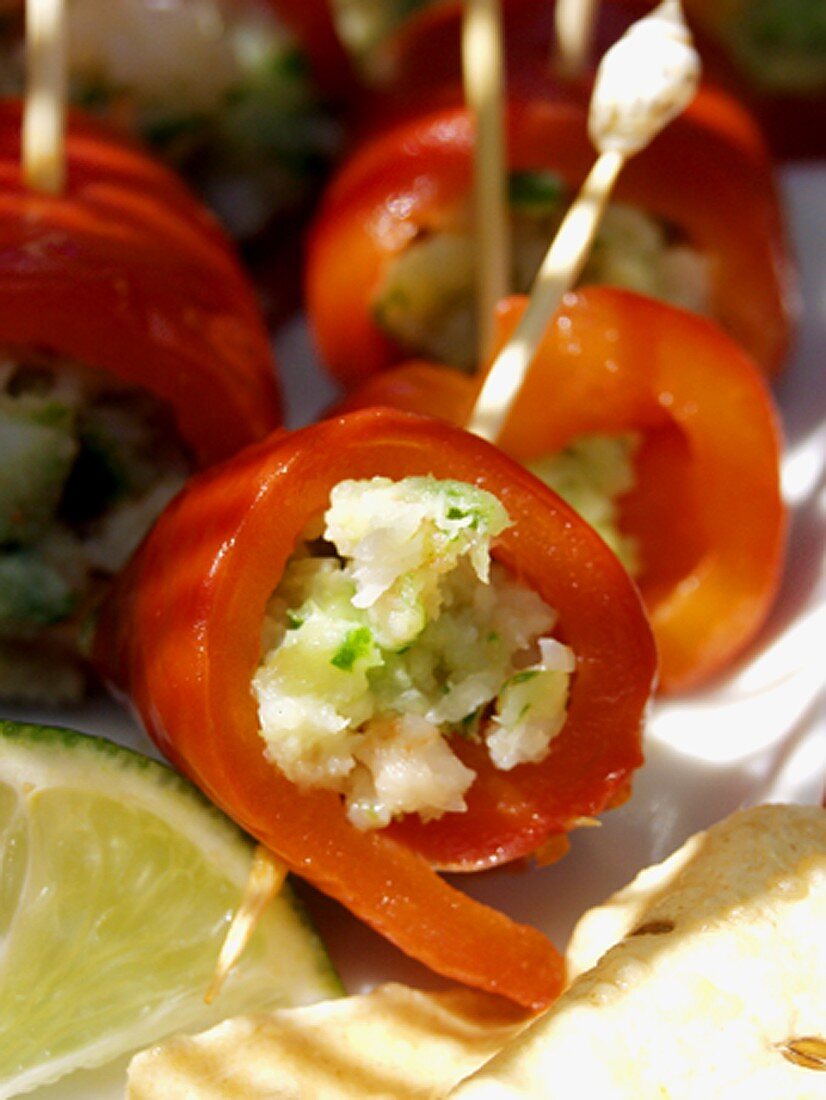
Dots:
(117, 884)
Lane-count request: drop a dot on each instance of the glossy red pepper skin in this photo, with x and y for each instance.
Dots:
(707, 509)
(125, 271)
(181, 637)
(707, 174)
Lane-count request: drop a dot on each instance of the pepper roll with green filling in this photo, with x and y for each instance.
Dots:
(696, 221)
(661, 432)
(132, 351)
(220, 89)
(385, 648)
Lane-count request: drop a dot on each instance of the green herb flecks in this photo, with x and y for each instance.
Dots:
(357, 644)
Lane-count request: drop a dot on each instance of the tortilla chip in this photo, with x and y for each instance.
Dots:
(715, 986)
(394, 1042)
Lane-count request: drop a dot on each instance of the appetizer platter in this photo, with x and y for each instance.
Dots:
(756, 736)
(386, 650)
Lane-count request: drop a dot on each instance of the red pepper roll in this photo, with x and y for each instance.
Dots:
(705, 508)
(182, 637)
(704, 188)
(133, 351)
(126, 272)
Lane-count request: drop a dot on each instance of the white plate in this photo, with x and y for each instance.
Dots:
(757, 736)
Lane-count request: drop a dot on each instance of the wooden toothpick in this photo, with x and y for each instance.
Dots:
(44, 108)
(644, 81)
(483, 76)
(574, 30)
(266, 877)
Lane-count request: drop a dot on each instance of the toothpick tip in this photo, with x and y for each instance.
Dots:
(644, 81)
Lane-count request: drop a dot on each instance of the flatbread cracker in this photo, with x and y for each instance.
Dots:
(715, 986)
(394, 1043)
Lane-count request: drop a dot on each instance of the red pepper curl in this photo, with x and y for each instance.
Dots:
(182, 638)
(707, 175)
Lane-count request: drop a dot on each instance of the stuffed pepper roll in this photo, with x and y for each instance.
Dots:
(132, 352)
(696, 222)
(385, 648)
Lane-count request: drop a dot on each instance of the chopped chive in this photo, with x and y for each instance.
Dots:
(357, 644)
(290, 63)
(536, 192)
(523, 677)
(468, 727)
(164, 131)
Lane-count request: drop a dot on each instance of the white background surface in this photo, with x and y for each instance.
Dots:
(759, 735)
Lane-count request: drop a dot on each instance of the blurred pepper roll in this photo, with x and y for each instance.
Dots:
(770, 54)
(132, 352)
(773, 54)
(221, 89)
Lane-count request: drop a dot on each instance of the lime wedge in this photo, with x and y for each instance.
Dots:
(117, 884)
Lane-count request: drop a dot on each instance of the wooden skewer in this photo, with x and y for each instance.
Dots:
(560, 269)
(44, 110)
(645, 80)
(266, 877)
(483, 69)
(574, 30)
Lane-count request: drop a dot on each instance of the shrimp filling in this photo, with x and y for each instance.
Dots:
(391, 635)
(592, 474)
(426, 298)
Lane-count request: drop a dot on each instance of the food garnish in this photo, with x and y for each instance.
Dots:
(119, 882)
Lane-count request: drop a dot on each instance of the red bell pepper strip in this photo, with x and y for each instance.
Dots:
(181, 637)
(125, 271)
(706, 509)
(706, 174)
